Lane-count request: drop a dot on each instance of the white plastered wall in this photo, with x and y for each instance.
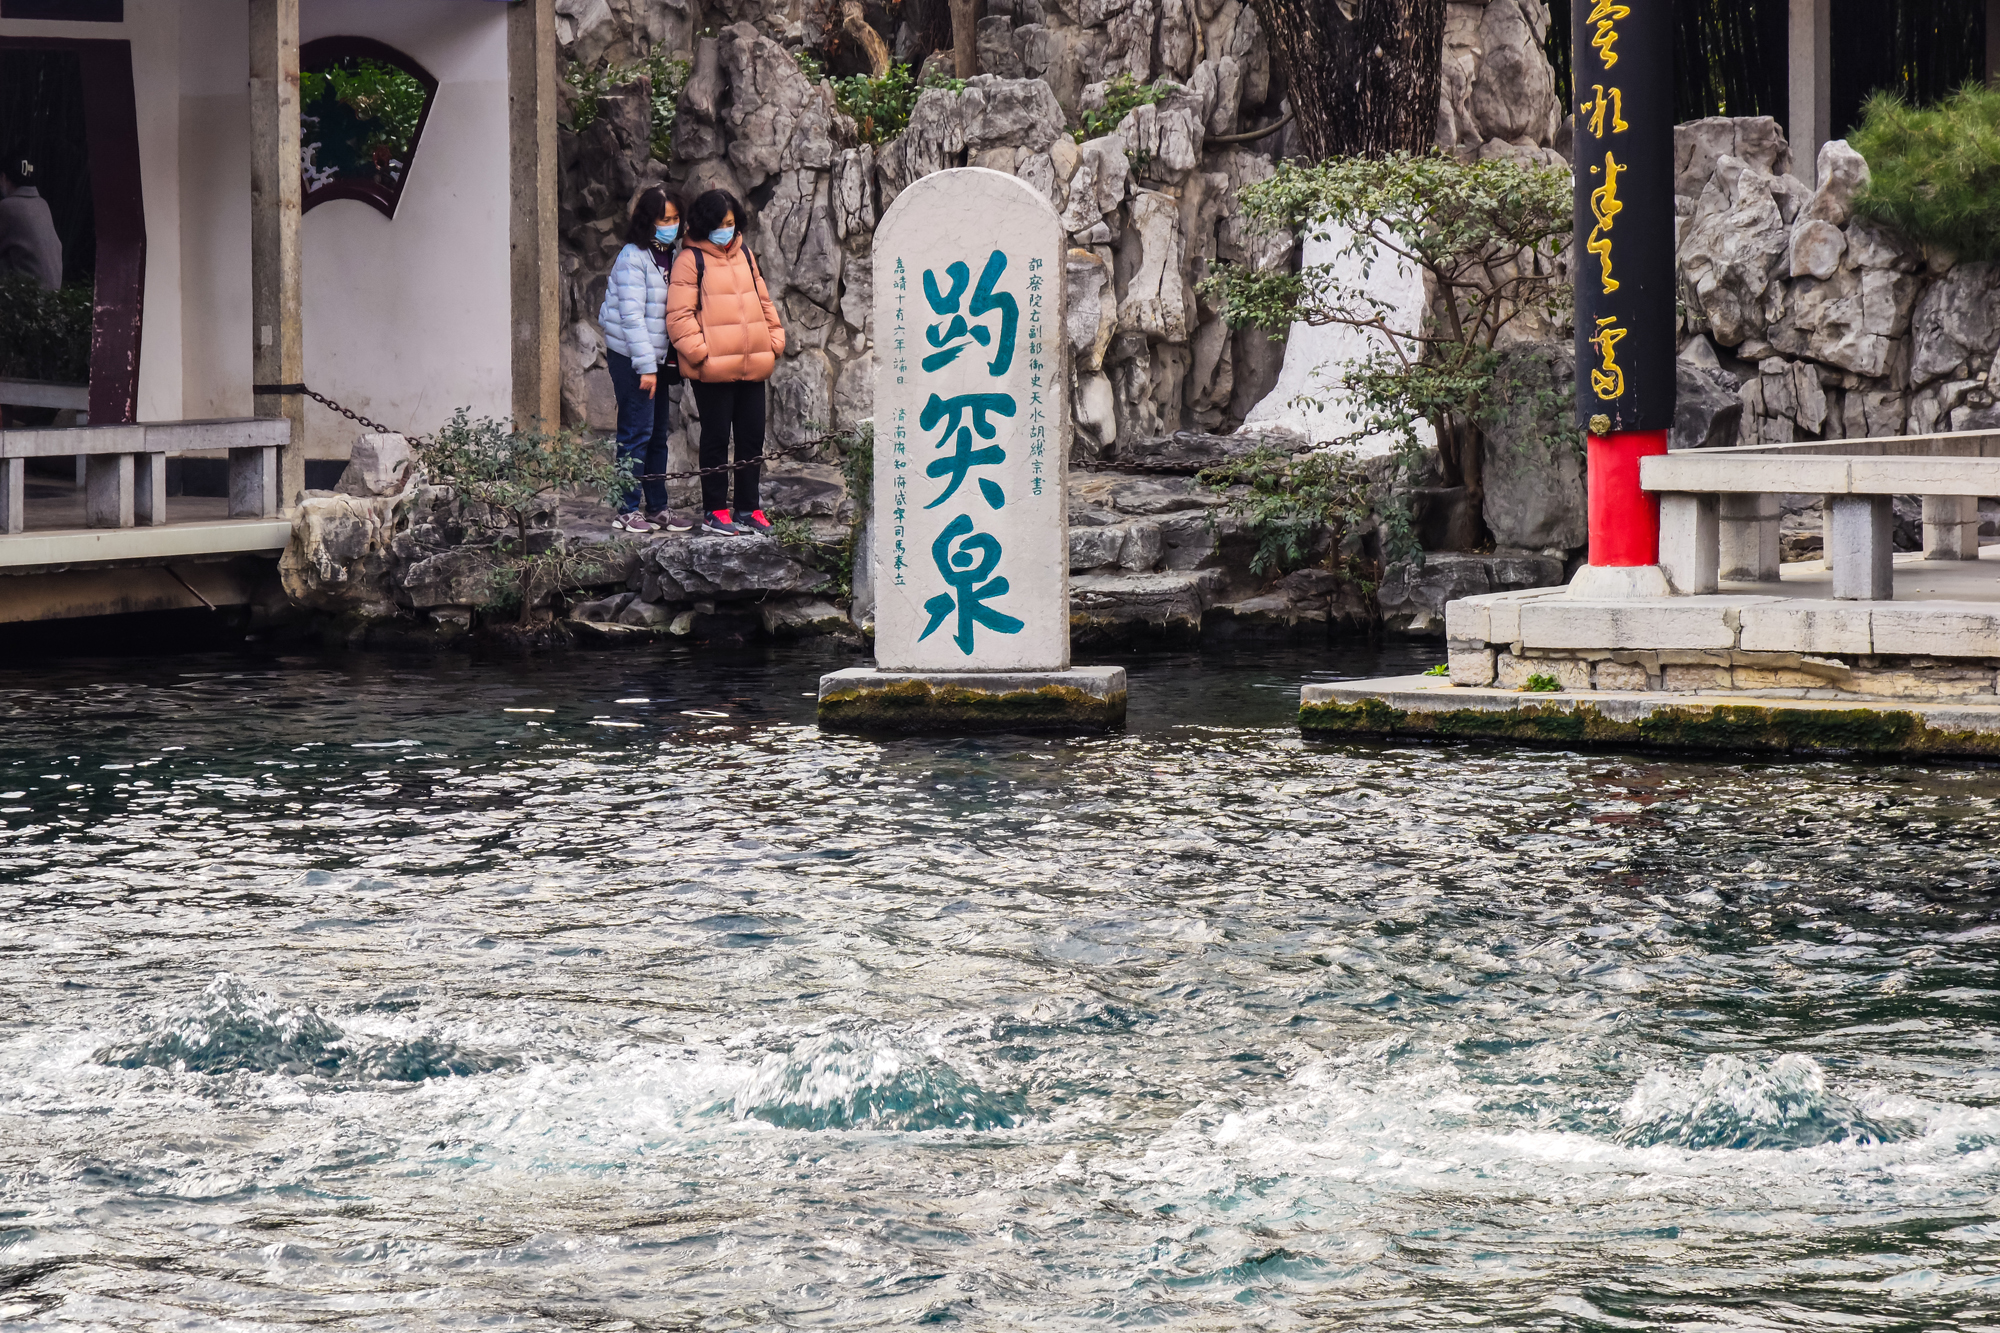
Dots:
(407, 319)
(153, 28)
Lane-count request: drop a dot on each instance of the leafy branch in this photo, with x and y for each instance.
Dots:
(510, 482)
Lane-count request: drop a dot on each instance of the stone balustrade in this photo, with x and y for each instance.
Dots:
(1719, 511)
(125, 474)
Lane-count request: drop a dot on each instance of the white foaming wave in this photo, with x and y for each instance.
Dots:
(1349, 1136)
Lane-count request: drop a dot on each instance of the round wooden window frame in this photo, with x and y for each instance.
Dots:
(323, 51)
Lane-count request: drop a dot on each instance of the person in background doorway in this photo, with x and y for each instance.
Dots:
(641, 359)
(28, 241)
(726, 330)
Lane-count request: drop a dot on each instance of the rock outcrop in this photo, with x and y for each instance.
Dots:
(1830, 326)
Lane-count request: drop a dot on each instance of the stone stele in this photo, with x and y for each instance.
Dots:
(972, 431)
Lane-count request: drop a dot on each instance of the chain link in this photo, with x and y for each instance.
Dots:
(803, 447)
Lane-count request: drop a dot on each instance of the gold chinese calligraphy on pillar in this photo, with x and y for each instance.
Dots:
(1625, 311)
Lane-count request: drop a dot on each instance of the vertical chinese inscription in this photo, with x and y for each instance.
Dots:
(972, 562)
(1625, 311)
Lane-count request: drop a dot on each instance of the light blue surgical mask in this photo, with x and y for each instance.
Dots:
(722, 236)
(666, 231)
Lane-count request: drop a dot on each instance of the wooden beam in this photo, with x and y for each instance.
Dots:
(1811, 61)
(276, 185)
(534, 268)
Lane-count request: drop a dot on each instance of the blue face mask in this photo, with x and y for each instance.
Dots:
(666, 231)
(722, 236)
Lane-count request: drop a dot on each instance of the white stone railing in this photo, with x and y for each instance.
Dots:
(125, 471)
(1719, 512)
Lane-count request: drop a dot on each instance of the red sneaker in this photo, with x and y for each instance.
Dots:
(718, 520)
(754, 520)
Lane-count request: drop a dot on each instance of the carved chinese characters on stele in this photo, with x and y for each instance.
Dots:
(1625, 325)
(971, 429)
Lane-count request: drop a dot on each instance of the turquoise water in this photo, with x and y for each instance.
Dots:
(605, 993)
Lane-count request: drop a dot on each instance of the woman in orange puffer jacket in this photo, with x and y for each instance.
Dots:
(722, 323)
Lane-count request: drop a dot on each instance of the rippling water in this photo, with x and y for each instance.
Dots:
(607, 993)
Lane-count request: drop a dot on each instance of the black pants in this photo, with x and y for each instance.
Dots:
(723, 407)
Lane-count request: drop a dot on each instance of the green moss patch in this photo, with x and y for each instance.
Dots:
(1740, 727)
(915, 707)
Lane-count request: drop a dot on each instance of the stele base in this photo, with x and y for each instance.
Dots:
(958, 703)
(1619, 583)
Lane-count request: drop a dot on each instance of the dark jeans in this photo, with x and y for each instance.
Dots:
(724, 406)
(643, 426)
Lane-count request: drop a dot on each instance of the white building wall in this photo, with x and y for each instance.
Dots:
(405, 319)
(153, 29)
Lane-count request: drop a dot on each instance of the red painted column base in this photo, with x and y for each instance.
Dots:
(1624, 520)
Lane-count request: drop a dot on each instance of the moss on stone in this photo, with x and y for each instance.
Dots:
(911, 707)
(1737, 727)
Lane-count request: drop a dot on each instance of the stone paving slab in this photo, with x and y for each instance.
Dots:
(1783, 722)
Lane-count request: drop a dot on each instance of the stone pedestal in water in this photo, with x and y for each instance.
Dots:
(971, 505)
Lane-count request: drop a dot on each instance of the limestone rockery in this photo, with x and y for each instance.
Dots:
(1148, 209)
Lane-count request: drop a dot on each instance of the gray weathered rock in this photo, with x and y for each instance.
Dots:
(1707, 408)
(1817, 249)
(456, 576)
(1124, 606)
(802, 617)
(603, 610)
(1957, 323)
(377, 465)
(1412, 600)
(1533, 464)
(1842, 175)
(1734, 249)
(804, 490)
(683, 569)
(1191, 451)
(341, 554)
(1700, 146)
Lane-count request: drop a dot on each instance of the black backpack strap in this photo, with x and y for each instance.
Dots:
(700, 274)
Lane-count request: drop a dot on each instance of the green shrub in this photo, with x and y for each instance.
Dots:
(44, 335)
(510, 482)
(1542, 683)
(1121, 96)
(1486, 235)
(879, 106)
(667, 78)
(1295, 504)
(1441, 669)
(1935, 172)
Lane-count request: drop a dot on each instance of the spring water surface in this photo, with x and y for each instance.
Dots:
(607, 993)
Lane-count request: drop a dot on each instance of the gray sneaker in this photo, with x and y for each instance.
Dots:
(668, 521)
(719, 521)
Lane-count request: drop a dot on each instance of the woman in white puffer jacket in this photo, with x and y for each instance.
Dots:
(641, 360)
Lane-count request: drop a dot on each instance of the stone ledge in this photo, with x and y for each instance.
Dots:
(864, 699)
(1422, 707)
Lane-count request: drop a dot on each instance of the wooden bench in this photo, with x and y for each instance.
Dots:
(125, 469)
(1719, 512)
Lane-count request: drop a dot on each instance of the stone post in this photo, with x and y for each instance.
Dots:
(276, 197)
(1811, 69)
(1625, 316)
(971, 508)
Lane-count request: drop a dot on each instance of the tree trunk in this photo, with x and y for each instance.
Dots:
(965, 38)
(855, 24)
(1362, 74)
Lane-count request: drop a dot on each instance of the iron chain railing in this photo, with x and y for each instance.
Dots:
(783, 451)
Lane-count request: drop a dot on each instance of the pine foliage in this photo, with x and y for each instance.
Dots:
(1935, 172)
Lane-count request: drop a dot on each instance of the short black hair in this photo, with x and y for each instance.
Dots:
(647, 210)
(709, 211)
(18, 169)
